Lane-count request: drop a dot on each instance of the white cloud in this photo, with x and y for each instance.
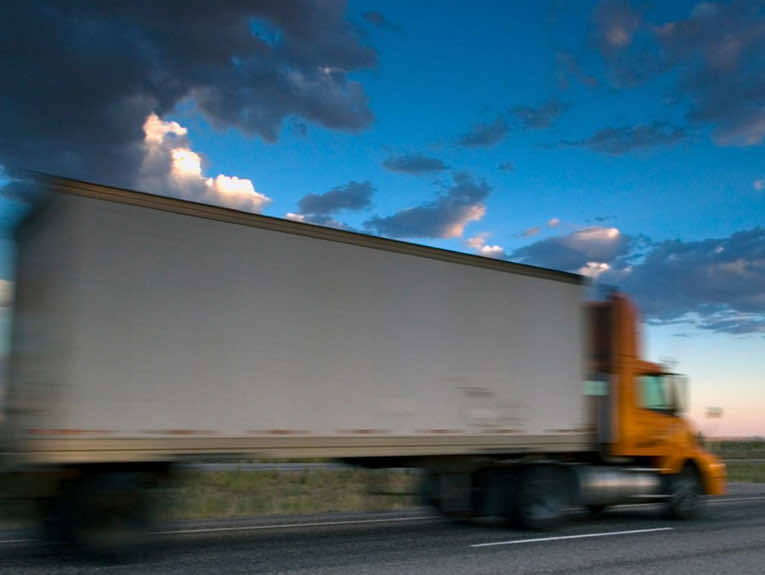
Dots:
(155, 129)
(595, 234)
(295, 217)
(470, 214)
(186, 162)
(478, 243)
(238, 193)
(171, 166)
(553, 222)
(759, 185)
(593, 269)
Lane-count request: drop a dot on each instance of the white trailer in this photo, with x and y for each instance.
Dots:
(148, 328)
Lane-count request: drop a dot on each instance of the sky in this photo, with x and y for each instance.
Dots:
(619, 140)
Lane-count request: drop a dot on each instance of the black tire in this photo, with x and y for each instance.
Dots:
(685, 494)
(541, 497)
(104, 516)
(596, 510)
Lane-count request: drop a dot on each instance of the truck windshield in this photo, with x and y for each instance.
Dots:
(655, 392)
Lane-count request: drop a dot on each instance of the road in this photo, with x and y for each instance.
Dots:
(632, 539)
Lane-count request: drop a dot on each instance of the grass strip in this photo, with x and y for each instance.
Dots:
(746, 471)
(221, 494)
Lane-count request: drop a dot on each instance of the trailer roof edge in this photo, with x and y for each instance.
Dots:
(196, 209)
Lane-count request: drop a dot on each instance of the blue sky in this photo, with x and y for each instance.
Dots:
(616, 139)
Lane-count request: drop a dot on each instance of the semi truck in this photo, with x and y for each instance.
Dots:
(149, 331)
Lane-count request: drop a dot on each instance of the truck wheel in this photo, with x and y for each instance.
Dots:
(450, 494)
(685, 494)
(541, 497)
(596, 510)
(109, 516)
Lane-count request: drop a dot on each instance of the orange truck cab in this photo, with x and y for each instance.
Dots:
(640, 404)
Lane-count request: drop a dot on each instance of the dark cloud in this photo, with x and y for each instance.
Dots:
(352, 196)
(79, 78)
(567, 67)
(319, 220)
(538, 117)
(615, 25)
(721, 281)
(714, 284)
(484, 135)
(721, 50)
(321, 209)
(717, 52)
(378, 20)
(601, 219)
(444, 217)
(506, 167)
(414, 164)
(574, 251)
(300, 128)
(623, 139)
(625, 43)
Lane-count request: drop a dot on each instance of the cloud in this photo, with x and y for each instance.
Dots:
(478, 243)
(720, 282)
(506, 167)
(351, 196)
(627, 46)
(593, 269)
(98, 76)
(414, 164)
(538, 117)
(759, 185)
(568, 67)
(531, 232)
(720, 49)
(170, 166)
(715, 284)
(576, 250)
(553, 222)
(484, 135)
(615, 25)
(378, 20)
(320, 209)
(717, 54)
(624, 139)
(444, 217)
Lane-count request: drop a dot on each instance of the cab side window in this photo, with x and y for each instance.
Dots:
(653, 393)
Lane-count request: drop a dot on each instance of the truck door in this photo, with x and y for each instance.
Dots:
(656, 418)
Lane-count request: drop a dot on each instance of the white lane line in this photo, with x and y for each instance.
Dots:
(293, 525)
(737, 499)
(566, 537)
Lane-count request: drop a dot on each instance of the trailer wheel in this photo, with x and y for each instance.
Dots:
(102, 515)
(685, 494)
(596, 510)
(541, 497)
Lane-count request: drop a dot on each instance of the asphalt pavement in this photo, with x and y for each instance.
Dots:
(729, 539)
